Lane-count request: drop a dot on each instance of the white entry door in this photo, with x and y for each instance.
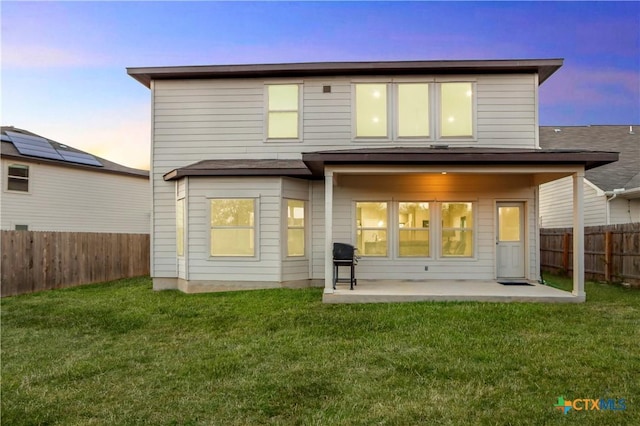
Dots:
(510, 240)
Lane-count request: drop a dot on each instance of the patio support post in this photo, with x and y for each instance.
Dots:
(328, 231)
(578, 234)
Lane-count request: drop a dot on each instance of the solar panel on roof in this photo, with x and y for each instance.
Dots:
(79, 157)
(36, 146)
(33, 146)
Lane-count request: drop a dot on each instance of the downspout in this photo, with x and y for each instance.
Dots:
(613, 194)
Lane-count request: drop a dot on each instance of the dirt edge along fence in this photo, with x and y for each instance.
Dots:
(34, 261)
(611, 252)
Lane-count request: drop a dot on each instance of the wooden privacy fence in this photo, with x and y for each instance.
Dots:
(34, 261)
(611, 253)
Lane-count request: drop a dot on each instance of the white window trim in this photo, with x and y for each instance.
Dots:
(265, 120)
(256, 229)
(285, 236)
(28, 179)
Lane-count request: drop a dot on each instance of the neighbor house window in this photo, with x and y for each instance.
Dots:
(456, 109)
(457, 229)
(371, 110)
(180, 227)
(295, 228)
(413, 235)
(22, 227)
(18, 178)
(371, 228)
(413, 110)
(283, 111)
(233, 227)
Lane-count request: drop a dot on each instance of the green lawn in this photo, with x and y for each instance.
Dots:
(119, 353)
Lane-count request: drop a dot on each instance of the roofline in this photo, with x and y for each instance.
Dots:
(23, 158)
(543, 67)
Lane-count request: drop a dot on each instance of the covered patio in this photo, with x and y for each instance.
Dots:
(485, 176)
(380, 291)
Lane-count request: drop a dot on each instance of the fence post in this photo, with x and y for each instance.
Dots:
(608, 258)
(565, 252)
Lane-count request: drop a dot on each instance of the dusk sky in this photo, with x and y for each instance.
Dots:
(64, 63)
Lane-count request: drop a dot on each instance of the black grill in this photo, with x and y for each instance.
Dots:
(343, 251)
(344, 255)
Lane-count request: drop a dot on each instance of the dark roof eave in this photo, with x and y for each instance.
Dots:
(317, 160)
(543, 67)
(186, 172)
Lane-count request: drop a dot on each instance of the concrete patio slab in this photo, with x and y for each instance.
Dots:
(381, 291)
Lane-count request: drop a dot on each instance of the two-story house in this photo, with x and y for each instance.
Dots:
(430, 168)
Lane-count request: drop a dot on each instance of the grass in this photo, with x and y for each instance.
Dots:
(119, 353)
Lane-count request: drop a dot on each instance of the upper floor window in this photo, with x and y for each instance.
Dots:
(413, 110)
(371, 110)
(295, 228)
(456, 109)
(18, 178)
(233, 227)
(417, 110)
(283, 118)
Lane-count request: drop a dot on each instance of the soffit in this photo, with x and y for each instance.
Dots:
(543, 67)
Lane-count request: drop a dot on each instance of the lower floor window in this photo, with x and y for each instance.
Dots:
(233, 227)
(414, 233)
(457, 229)
(180, 227)
(371, 228)
(295, 228)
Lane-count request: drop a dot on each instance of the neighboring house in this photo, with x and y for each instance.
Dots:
(49, 186)
(611, 192)
(430, 168)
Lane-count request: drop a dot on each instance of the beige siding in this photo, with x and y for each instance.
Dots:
(624, 211)
(75, 200)
(556, 204)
